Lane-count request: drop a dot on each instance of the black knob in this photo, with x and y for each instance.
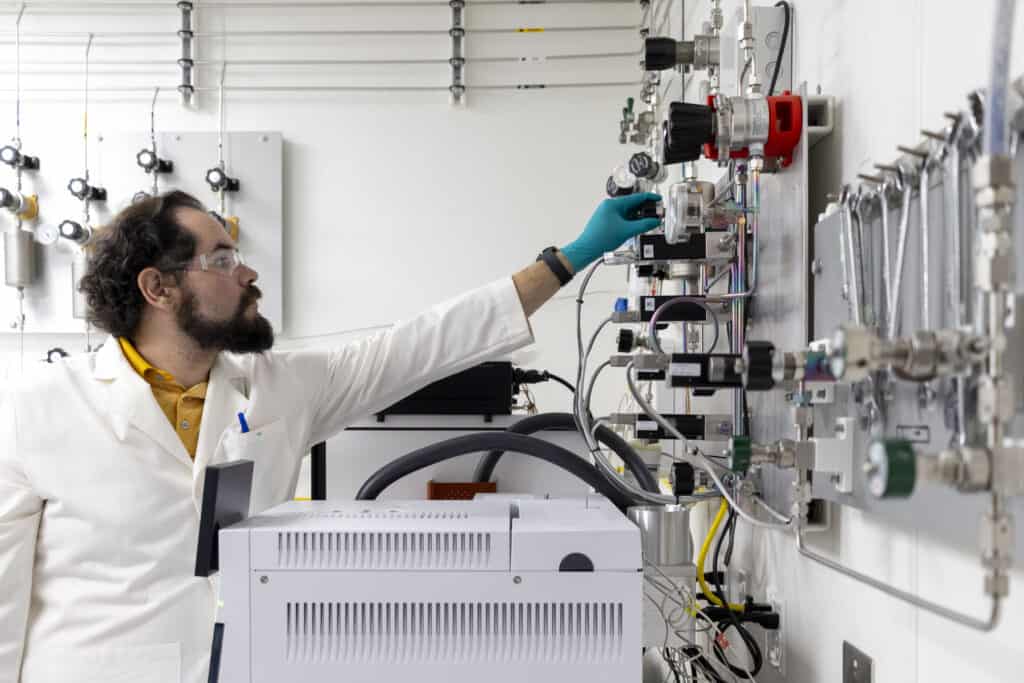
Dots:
(643, 166)
(689, 127)
(625, 340)
(615, 190)
(659, 54)
(683, 479)
(757, 364)
(81, 189)
(7, 199)
(651, 208)
(669, 156)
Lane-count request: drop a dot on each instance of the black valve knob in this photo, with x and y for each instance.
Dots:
(689, 127)
(81, 189)
(151, 163)
(615, 190)
(659, 54)
(669, 156)
(651, 208)
(757, 366)
(15, 159)
(643, 166)
(8, 200)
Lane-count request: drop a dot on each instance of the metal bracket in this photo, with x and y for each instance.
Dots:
(835, 455)
(186, 88)
(457, 61)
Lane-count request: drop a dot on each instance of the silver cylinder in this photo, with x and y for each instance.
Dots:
(19, 258)
(665, 533)
(79, 306)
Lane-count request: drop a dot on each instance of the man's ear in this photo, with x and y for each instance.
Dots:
(158, 289)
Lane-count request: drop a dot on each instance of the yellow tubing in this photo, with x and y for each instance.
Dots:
(715, 600)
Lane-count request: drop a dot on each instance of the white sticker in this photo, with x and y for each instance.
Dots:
(646, 426)
(648, 251)
(685, 369)
(649, 303)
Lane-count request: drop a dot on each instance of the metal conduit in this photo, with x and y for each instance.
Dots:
(170, 64)
(170, 89)
(82, 7)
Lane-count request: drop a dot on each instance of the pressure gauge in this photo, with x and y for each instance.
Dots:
(75, 232)
(151, 163)
(15, 159)
(219, 181)
(81, 189)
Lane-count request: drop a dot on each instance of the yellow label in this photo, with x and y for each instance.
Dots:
(529, 30)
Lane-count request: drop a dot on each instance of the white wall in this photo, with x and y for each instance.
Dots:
(475, 193)
(894, 67)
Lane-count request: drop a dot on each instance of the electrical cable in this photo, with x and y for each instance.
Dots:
(563, 382)
(652, 331)
(782, 45)
(471, 443)
(723, 508)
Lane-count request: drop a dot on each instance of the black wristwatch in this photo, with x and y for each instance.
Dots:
(550, 257)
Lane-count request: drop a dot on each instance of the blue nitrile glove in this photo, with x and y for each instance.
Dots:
(610, 226)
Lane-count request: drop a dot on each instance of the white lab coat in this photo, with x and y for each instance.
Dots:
(99, 501)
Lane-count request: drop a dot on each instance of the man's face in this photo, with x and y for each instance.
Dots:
(218, 309)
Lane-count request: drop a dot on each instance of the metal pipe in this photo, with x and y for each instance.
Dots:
(68, 7)
(346, 88)
(910, 598)
(846, 216)
(312, 33)
(926, 309)
(739, 284)
(901, 252)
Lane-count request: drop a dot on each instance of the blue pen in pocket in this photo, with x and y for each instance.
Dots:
(243, 423)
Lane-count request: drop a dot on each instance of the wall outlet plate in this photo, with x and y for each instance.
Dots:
(856, 665)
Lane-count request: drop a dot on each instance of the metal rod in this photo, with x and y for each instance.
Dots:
(856, 300)
(17, 106)
(302, 4)
(883, 204)
(342, 88)
(220, 133)
(926, 309)
(901, 252)
(85, 131)
(306, 33)
(944, 612)
(152, 139)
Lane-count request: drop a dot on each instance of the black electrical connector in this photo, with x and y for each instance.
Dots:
(684, 479)
(521, 376)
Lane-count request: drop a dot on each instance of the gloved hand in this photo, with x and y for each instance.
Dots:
(610, 226)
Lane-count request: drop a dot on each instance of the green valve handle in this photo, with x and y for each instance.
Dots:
(891, 468)
(739, 454)
(629, 104)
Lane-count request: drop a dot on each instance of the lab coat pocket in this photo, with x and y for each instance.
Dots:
(159, 663)
(267, 447)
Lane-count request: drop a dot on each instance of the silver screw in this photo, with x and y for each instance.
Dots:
(517, 579)
(264, 579)
(816, 266)
(265, 138)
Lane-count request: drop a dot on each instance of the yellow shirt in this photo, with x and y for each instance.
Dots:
(183, 407)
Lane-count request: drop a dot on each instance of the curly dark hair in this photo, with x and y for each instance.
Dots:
(143, 235)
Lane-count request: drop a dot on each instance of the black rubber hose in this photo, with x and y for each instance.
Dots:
(538, 423)
(472, 443)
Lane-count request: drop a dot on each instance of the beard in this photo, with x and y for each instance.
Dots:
(237, 334)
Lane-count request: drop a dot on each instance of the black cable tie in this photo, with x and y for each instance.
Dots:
(457, 32)
(186, 33)
(185, 5)
(457, 61)
(530, 86)
(457, 4)
(186, 88)
(185, 61)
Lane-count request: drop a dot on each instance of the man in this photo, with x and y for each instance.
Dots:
(102, 455)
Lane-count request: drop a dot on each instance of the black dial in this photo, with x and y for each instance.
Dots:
(643, 166)
(688, 129)
(757, 364)
(659, 54)
(615, 190)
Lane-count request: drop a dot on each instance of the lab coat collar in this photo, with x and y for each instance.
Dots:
(132, 402)
(227, 395)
